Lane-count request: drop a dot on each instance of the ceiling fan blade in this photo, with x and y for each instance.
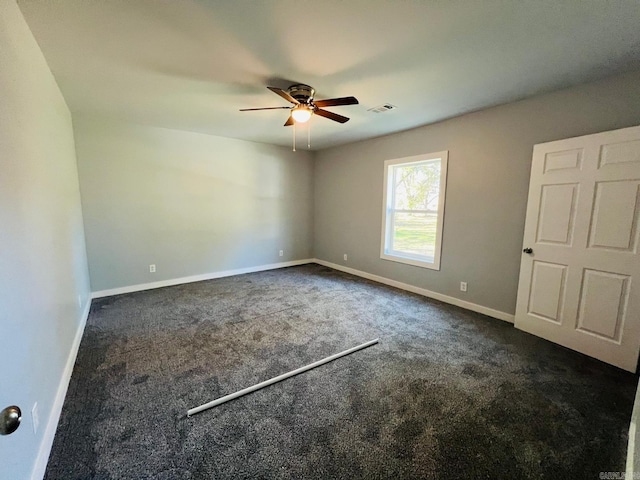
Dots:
(331, 116)
(334, 102)
(267, 108)
(289, 121)
(283, 94)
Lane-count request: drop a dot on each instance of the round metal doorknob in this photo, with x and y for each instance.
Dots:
(528, 250)
(10, 419)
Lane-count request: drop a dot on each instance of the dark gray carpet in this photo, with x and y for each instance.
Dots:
(446, 394)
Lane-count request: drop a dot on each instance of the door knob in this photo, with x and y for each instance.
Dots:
(528, 250)
(10, 419)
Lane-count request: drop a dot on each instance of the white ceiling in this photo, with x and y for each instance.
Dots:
(190, 65)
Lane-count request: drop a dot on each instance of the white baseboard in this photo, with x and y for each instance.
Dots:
(49, 434)
(196, 278)
(507, 317)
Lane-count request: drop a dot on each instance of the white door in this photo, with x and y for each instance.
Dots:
(580, 285)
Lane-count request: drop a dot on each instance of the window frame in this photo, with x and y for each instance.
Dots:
(387, 197)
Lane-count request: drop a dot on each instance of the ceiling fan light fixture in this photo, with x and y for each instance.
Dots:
(301, 113)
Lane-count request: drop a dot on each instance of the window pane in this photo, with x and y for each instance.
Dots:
(413, 212)
(417, 186)
(415, 233)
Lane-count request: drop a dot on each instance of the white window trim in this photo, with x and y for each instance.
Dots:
(386, 187)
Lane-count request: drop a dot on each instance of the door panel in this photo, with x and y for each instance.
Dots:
(614, 215)
(569, 159)
(622, 152)
(547, 291)
(555, 220)
(577, 287)
(603, 303)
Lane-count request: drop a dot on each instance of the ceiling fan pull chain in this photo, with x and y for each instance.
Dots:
(309, 134)
(294, 136)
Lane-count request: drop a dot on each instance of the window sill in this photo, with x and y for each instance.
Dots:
(435, 265)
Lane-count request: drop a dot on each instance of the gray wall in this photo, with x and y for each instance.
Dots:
(187, 202)
(489, 165)
(44, 282)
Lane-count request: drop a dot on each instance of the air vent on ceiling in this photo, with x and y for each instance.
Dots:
(385, 107)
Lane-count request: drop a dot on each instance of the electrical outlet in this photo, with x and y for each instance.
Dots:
(35, 417)
(281, 252)
(152, 268)
(345, 257)
(463, 286)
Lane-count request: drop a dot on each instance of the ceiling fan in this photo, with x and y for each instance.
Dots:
(304, 106)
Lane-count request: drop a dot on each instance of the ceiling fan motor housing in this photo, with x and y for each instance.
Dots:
(301, 92)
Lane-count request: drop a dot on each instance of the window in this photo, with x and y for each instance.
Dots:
(413, 209)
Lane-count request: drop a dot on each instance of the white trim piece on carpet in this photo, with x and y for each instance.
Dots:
(279, 378)
(197, 278)
(40, 465)
(507, 317)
